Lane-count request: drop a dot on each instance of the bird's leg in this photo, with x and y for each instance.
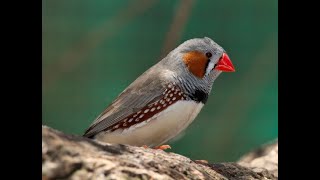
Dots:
(163, 147)
(145, 146)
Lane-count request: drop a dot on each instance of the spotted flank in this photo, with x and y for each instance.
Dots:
(171, 95)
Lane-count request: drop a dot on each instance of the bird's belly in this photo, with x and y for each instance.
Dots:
(159, 129)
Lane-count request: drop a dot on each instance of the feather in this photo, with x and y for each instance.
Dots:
(147, 89)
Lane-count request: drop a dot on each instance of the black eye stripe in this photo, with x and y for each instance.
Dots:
(207, 64)
(209, 55)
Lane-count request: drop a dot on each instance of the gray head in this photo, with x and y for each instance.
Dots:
(197, 63)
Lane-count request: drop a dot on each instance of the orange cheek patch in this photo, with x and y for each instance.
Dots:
(196, 63)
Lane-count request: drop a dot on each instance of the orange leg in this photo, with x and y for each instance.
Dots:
(145, 146)
(163, 147)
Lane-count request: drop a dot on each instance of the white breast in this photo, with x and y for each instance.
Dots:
(157, 130)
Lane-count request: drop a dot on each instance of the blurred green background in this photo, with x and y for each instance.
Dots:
(92, 50)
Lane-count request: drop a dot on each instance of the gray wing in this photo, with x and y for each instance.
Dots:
(144, 90)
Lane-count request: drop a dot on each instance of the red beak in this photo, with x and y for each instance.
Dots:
(225, 64)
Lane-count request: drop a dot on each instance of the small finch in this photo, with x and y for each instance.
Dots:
(165, 99)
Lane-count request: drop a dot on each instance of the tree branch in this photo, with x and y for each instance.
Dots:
(74, 157)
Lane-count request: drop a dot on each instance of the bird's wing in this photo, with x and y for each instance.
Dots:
(143, 91)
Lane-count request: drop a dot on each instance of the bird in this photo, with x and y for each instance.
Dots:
(164, 100)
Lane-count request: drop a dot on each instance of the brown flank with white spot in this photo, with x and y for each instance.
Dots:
(170, 96)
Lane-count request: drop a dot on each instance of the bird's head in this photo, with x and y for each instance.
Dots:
(200, 57)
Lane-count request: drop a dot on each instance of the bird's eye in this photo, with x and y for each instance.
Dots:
(208, 54)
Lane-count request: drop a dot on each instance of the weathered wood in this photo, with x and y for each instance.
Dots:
(74, 157)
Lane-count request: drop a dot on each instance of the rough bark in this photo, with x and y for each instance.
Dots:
(74, 157)
(265, 157)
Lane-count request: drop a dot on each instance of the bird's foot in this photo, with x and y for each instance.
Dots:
(145, 146)
(163, 147)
